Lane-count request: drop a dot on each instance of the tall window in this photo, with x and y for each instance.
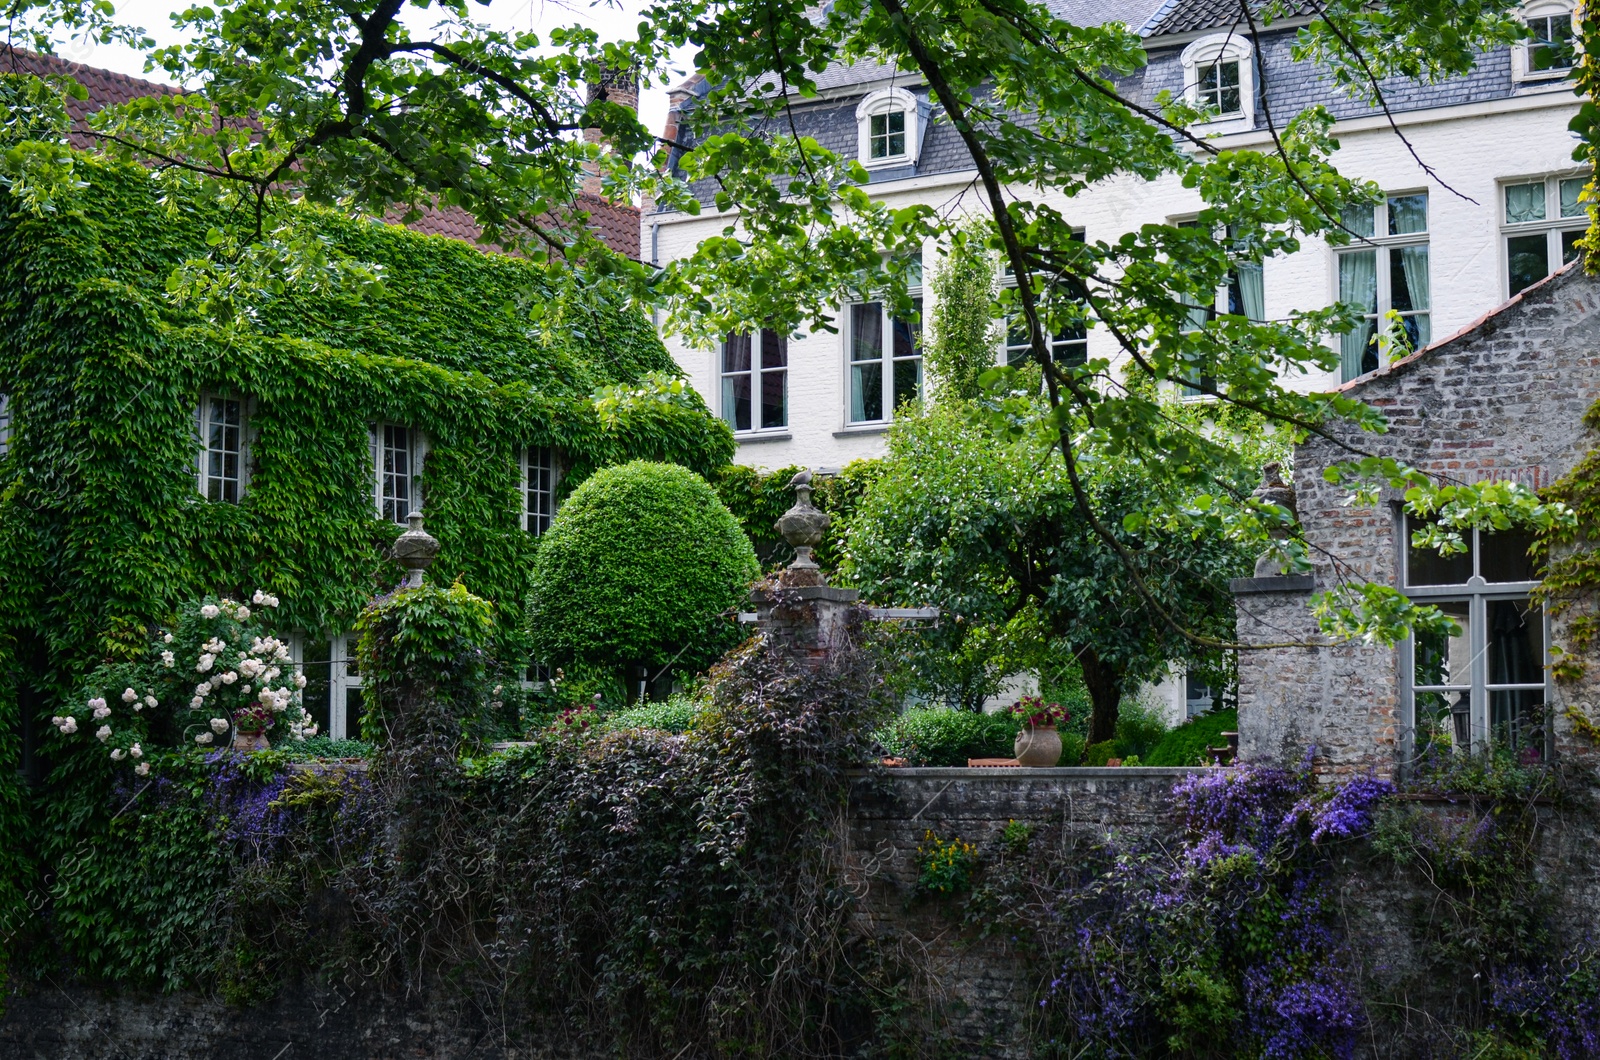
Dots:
(539, 488)
(1542, 223)
(396, 463)
(1388, 272)
(1488, 682)
(5, 424)
(885, 361)
(333, 693)
(1242, 294)
(1218, 88)
(1069, 343)
(886, 134)
(221, 471)
(755, 382)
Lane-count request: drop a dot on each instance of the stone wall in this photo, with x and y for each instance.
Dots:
(1504, 399)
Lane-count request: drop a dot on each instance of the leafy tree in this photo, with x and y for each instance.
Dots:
(638, 572)
(962, 334)
(345, 104)
(995, 536)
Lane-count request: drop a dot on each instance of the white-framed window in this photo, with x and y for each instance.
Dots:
(1241, 294)
(1385, 269)
(1541, 222)
(755, 381)
(1069, 342)
(1549, 53)
(1489, 683)
(890, 123)
(885, 361)
(540, 475)
(1219, 75)
(397, 457)
(222, 465)
(333, 695)
(1198, 697)
(5, 424)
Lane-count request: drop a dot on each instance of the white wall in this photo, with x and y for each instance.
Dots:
(1472, 148)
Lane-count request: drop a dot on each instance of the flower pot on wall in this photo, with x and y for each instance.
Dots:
(250, 741)
(1038, 745)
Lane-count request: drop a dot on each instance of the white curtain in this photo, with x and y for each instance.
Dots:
(866, 356)
(1358, 286)
(1251, 292)
(1414, 262)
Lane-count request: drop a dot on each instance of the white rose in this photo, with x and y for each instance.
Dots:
(272, 601)
(58, 721)
(143, 768)
(96, 703)
(150, 701)
(129, 695)
(70, 725)
(103, 733)
(219, 725)
(244, 690)
(196, 703)
(203, 689)
(209, 611)
(299, 680)
(257, 598)
(167, 639)
(272, 673)
(229, 678)
(204, 738)
(309, 730)
(168, 659)
(102, 712)
(118, 754)
(136, 751)
(206, 662)
(242, 614)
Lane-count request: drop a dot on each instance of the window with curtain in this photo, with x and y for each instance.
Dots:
(1541, 223)
(1241, 294)
(221, 472)
(1384, 270)
(755, 381)
(1486, 683)
(885, 356)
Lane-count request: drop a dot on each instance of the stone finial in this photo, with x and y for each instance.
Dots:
(415, 549)
(1274, 490)
(803, 526)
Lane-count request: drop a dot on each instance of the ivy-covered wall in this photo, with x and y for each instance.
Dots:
(102, 531)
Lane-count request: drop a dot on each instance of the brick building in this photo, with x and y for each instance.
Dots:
(1502, 399)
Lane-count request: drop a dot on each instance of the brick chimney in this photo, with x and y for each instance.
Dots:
(614, 86)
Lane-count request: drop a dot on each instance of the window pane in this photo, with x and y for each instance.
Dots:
(736, 354)
(866, 356)
(1358, 280)
(1408, 214)
(736, 401)
(1524, 202)
(352, 713)
(541, 507)
(1358, 219)
(774, 349)
(1441, 660)
(1569, 245)
(315, 697)
(1503, 556)
(1571, 191)
(1516, 643)
(1527, 260)
(1424, 566)
(866, 331)
(1551, 47)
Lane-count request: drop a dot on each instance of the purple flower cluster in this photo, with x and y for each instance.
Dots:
(1556, 1004)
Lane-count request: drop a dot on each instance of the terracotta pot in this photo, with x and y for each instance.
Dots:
(250, 741)
(1038, 746)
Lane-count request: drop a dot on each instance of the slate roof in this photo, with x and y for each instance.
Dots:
(617, 226)
(1184, 16)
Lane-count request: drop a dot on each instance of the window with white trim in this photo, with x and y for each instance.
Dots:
(1541, 222)
(1069, 341)
(1219, 76)
(221, 469)
(1385, 270)
(755, 381)
(333, 693)
(539, 477)
(397, 456)
(1241, 294)
(1487, 683)
(885, 359)
(889, 128)
(5, 424)
(1549, 52)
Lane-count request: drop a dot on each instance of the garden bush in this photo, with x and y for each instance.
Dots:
(1186, 745)
(939, 736)
(1141, 727)
(641, 567)
(674, 716)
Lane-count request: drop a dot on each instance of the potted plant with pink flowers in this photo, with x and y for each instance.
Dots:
(1038, 743)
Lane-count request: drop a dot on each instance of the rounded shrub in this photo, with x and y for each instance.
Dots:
(1186, 745)
(940, 736)
(638, 569)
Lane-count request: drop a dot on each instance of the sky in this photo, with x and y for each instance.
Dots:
(612, 19)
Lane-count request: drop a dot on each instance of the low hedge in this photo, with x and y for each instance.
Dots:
(939, 736)
(1186, 745)
(674, 716)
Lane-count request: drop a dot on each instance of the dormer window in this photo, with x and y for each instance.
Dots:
(1548, 53)
(1219, 77)
(890, 125)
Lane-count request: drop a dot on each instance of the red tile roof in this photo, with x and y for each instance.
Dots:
(617, 226)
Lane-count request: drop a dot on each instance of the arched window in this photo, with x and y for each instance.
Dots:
(1219, 75)
(890, 123)
(1548, 54)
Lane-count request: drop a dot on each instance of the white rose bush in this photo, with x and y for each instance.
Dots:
(218, 671)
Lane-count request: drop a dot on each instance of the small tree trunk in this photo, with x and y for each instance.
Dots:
(1104, 682)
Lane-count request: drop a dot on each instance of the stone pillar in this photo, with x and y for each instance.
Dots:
(798, 611)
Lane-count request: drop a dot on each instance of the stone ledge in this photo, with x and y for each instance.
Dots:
(1004, 774)
(1277, 583)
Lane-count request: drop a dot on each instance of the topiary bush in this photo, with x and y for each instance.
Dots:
(639, 569)
(939, 736)
(1186, 745)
